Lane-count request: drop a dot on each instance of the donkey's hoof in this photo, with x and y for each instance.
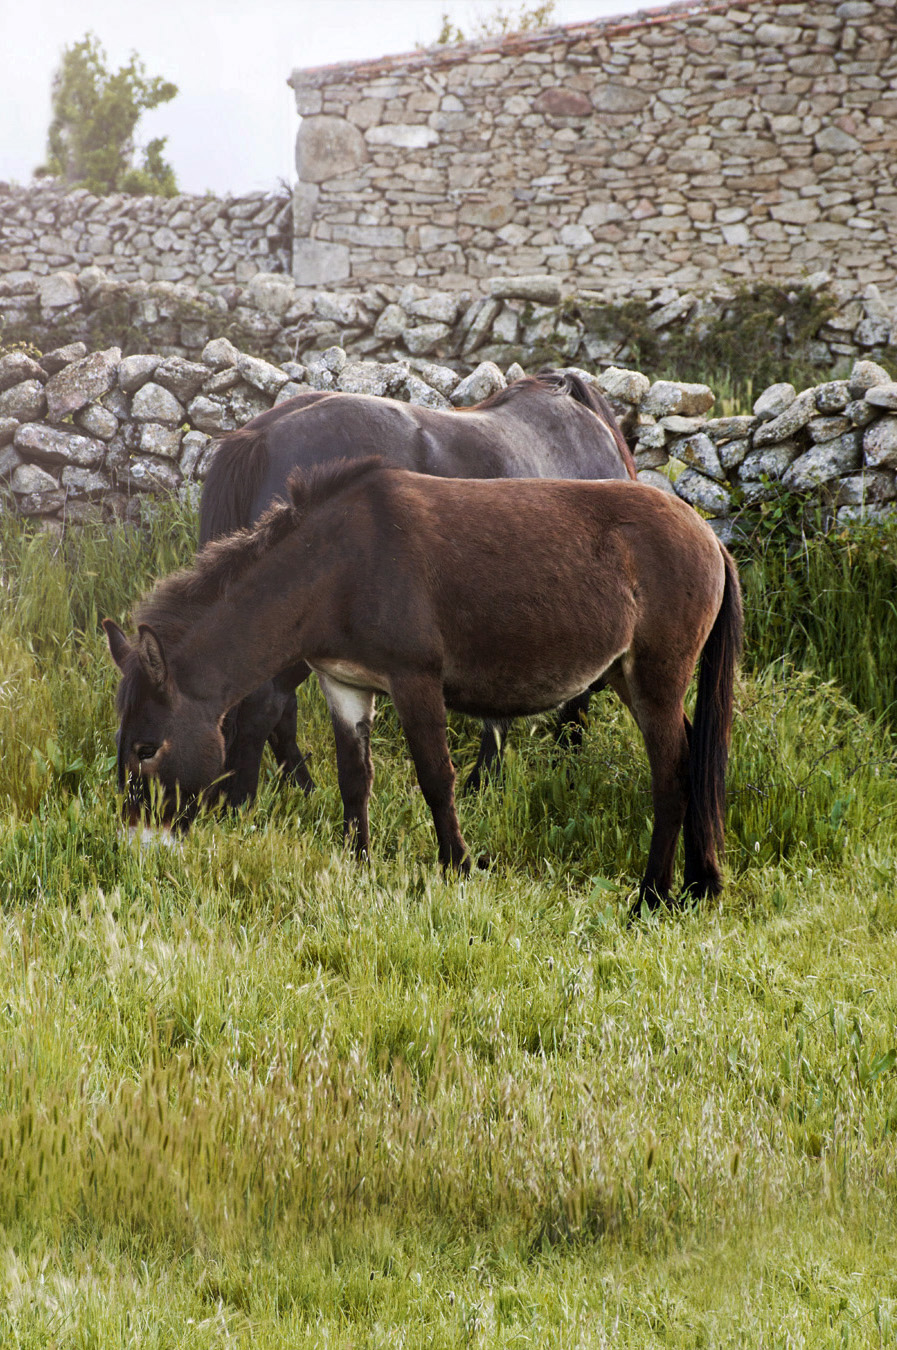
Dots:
(647, 906)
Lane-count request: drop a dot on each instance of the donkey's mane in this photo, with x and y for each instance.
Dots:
(547, 382)
(176, 602)
(559, 382)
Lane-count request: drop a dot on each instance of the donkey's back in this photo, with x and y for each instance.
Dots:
(503, 598)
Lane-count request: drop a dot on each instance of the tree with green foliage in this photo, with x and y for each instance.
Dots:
(498, 23)
(95, 112)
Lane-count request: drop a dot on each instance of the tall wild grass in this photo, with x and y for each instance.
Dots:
(252, 1094)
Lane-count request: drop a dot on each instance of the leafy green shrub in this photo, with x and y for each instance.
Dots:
(762, 335)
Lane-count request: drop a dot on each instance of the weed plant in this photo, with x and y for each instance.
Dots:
(252, 1094)
(764, 333)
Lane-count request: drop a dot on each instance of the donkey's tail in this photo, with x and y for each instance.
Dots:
(232, 482)
(709, 741)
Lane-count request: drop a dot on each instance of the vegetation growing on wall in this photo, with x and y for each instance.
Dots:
(499, 22)
(763, 335)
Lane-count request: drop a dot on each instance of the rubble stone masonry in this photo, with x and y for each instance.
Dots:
(701, 142)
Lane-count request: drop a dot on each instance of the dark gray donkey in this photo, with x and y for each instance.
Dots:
(551, 426)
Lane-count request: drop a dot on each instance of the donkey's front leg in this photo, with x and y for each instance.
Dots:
(352, 712)
(421, 708)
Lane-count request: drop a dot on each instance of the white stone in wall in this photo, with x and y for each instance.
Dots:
(51, 445)
(879, 444)
(441, 378)
(220, 354)
(440, 306)
(425, 338)
(666, 397)
(699, 452)
(697, 490)
(271, 292)
(822, 463)
(769, 462)
(194, 447)
(58, 290)
(423, 394)
(866, 375)
(340, 306)
(833, 396)
(883, 396)
(540, 289)
(152, 403)
(156, 439)
(798, 413)
(8, 428)
(136, 371)
(80, 383)
(327, 147)
(404, 136)
(369, 377)
(16, 367)
(97, 421)
(25, 402)
(479, 384)
(628, 385)
(732, 453)
(317, 263)
(875, 485)
(28, 480)
(261, 374)
(391, 323)
(145, 474)
(85, 484)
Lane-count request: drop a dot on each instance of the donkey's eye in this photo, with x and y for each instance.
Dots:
(145, 750)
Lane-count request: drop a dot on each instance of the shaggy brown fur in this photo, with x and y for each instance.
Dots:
(494, 598)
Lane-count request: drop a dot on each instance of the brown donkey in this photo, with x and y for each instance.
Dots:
(496, 598)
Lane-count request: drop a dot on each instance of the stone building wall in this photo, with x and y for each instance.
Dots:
(45, 228)
(697, 143)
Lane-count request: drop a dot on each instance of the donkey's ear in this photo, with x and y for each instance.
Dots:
(119, 646)
(151, 656)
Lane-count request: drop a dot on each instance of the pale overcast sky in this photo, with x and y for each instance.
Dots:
(232, 127)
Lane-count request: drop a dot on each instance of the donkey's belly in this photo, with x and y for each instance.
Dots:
(518, 694)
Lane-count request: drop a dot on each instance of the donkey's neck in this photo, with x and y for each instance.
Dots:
(245, 637)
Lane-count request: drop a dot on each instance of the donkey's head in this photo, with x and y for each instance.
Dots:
(170, 746)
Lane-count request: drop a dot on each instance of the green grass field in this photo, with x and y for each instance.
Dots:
(254, 1095)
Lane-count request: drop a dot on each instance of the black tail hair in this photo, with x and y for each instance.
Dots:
(232, 482)
(709, 740)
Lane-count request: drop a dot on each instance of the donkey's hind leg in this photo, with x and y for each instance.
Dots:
(282, 737)
(420, 705)
(571, 719)
(702, 877)
(352, 712)
(489, 755)
(661, 721)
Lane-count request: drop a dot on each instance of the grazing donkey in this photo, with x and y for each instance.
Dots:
(496, 598)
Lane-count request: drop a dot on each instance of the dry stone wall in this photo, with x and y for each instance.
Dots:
(524, 319)
(98, 435)
(204, 240)
(700, 142)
